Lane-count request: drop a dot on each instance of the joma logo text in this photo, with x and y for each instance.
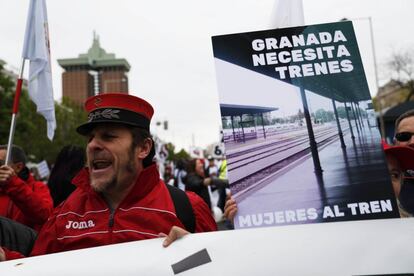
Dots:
(80, 224)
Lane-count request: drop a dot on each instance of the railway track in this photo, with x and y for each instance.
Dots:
(255, 165)
(264, 151)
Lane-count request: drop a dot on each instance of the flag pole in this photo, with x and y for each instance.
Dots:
(15, 111)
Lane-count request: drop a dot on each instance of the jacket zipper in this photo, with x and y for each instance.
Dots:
(111, 223)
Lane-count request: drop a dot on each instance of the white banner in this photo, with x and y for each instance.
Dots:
(374, 247)
(36, 48)
(287, 13)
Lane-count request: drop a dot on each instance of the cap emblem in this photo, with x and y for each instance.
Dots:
(98, 101)
(106, 113)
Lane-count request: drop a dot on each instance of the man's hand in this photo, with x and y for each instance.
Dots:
(230, 209)
(2, 255)
(207, 181)
(175, 233)
(6, 174)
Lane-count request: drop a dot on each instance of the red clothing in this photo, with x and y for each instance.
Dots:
(85, 220)
(28, 202)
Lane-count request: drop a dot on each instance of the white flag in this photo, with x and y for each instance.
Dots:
(287, 13)
(36, 49)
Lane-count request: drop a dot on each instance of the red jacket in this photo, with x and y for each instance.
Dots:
(85, 220)
(28, 202)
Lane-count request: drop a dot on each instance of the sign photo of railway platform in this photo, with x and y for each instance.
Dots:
(299, 142)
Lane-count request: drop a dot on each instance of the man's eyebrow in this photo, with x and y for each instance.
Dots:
(109, 131)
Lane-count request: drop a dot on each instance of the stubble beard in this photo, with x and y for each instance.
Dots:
(130, 167)
(101, 187)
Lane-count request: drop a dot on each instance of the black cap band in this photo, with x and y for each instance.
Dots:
(113, 115)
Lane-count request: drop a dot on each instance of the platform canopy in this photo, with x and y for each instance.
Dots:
(348, 85)
(238, 110)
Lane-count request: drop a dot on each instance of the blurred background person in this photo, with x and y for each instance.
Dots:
(69, 161)
(180, 174)
(404, 129)
(197, 181)
(399, 159)
(22, 197)
(168, 176)
(212, 169)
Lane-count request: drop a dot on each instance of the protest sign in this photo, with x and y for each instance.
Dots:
(298, 143)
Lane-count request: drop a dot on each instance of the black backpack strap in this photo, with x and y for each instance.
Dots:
(16, 237)
(183, 208)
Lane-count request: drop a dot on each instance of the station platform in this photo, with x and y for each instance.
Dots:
(357, 174)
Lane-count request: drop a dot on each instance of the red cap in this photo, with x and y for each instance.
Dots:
(404, 155)
(116, 108)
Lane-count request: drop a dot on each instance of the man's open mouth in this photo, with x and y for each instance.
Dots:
(100, 164)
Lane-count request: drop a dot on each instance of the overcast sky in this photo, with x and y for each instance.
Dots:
(168, 44)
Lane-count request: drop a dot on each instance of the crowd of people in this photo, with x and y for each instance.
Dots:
(112, 192)
(207, 177)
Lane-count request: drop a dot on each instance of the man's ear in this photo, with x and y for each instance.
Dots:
(145, 148)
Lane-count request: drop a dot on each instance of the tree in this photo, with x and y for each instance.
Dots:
(30, 132)
(226, 122)
(342, 112)
(300, 115)
(172, 156)
(321, 115)
(402, 66)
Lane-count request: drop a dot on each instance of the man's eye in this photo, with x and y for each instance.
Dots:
(108, 136)
(395, 175)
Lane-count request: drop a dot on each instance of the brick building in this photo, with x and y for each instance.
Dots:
(94, 72)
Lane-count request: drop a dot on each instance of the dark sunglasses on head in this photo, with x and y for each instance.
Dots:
(403, 136)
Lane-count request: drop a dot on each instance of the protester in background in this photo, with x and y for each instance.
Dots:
(168, 176)
(212, 169)
(119, 196)
(69, 161)
(22, 198)
(197, 182)
(223, 191)
(404, 130)
(400, 159)
(180, 174)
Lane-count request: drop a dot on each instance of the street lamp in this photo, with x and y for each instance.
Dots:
(382, 127)
(164, 123)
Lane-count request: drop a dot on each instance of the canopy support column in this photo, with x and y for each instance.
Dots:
(358, 127)
(361, 116)
(338, 124)
(232, 127)
(349, 122)
(241, 124)
(264, 131)
(312, 142)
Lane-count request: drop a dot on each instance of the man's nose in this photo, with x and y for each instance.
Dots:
(94, 143)
(411, 141)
